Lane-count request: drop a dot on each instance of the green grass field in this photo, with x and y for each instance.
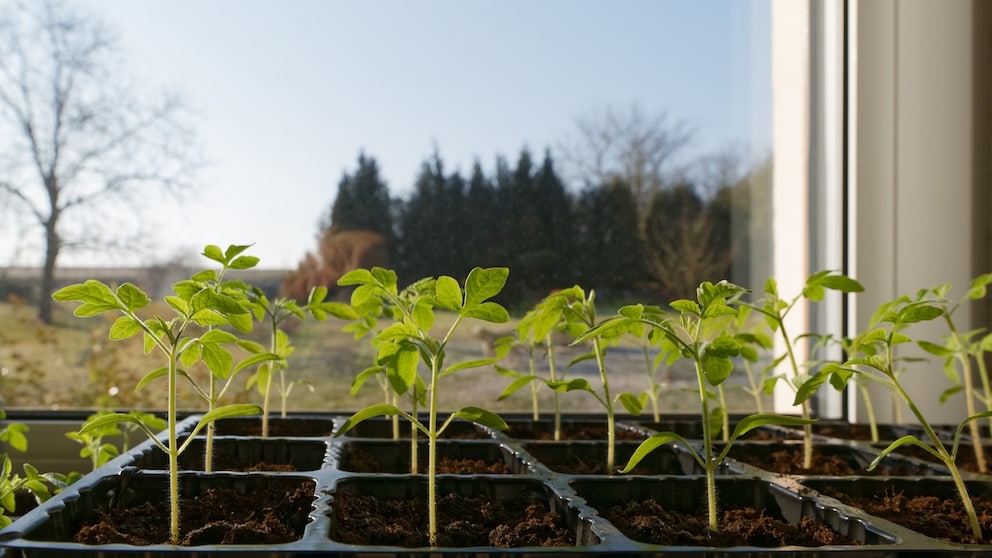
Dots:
(73, 365)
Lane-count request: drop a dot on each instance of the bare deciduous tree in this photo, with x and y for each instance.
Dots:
(683, 248)
(636, 147)
(79, 146)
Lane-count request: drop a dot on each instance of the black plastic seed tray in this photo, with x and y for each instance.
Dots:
(578, 501)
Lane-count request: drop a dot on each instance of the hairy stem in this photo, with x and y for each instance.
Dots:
(432, 456)
(807, 429)
(986, 386)
(553, 374)
(725, 423)
(938, 446)
(173, 455)
(709, 466)
(533, 385)
(611, 435)
(755, 389)
(870, 409)
(208, 452)
(652, 387)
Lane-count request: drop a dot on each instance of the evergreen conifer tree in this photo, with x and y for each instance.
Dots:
(362, 202)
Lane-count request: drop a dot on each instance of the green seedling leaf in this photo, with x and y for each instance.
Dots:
(218, 336)
(207, 317)
(950, 392)
(91, 292)
(402, 372)
(632, 312)
(178, 304)
(478, 416)
(508, 372)
(386, 278)
(218, 360)
(751, 422)
(655, 442)
(244, 262)
(448, 294)
(13, 435)
(575, 384)
(583, 335)
(716, 418)
(234, 250)
(483, 284)
(686, 307)
(581, 358)
(935, 349)
(716, 367)
(809, 387)
(205, 276)
(397, 332)
(372, 411)
(213, 252)
(839, 377)
(633, 404)
(515, 385)
(487, 311)
(256, 359)
(466, 365)
(190, 354)
(133, 298)
(339, 310)
(97, 423)
(841, 283)
(960, 429)
(125, 327)
(918, 312)
(227, 411)
(154, 374)
(908, 439)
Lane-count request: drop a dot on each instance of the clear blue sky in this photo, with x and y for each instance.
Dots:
(289, 92)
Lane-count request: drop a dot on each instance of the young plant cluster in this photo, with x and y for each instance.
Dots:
(700, 331)
(872, 358)
(408, 341)
(207, 322)
(211, 315)
(39, 485)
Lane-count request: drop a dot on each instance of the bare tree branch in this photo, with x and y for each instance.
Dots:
(84, 147)
(638, 148)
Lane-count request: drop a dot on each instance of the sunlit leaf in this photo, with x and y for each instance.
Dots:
(633, 404)
(654, 442)
(448, 294)
(372, 411)
(214, 253)
(487, 311)
(515, 385)
(481, 416)
(132, 297)
(124, 327)
(483, 284)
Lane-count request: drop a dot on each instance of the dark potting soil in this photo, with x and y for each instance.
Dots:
(233, 464)
(860, 432)
(275, 429)
(966, 456)
(462, 521)
(648, 522)
(579, 465)
(522, 431)
(217, 516)
(941, 518)
(789, 461)
(361, 461)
